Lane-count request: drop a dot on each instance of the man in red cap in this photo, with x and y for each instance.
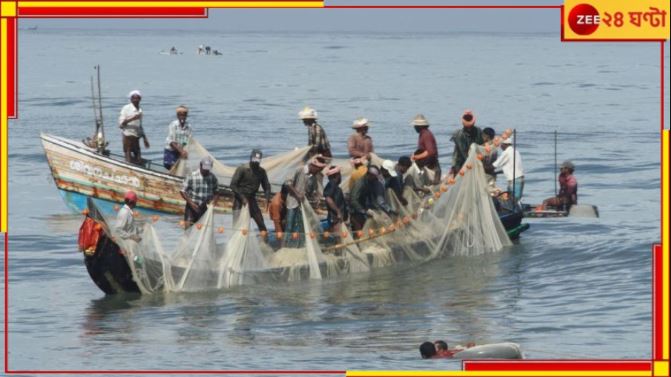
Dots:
(125, 222)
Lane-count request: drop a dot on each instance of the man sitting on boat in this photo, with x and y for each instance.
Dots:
(335, 199)
(359, 143)
(125, 225)
(245, 184)
(179, 134)
(130, 122)
(463, 139)
(199, 189)
(306, 183)
(568, 189)
(427, 143)
(317, 140)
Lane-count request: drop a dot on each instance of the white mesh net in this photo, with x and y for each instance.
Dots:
(458, 217)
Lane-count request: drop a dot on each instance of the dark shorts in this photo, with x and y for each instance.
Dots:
(131, 144)
(191, 216)
(170, 157)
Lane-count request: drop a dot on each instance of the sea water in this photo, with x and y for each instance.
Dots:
(571, 287)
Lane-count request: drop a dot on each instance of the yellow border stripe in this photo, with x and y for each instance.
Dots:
(3, 124)
(170, 4)
(549, 373)
(665, 244)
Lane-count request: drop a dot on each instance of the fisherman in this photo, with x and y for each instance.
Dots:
(317, 140)
(278, 210)
(335, 199)
(306, 183)
(441, 349)
(130, 122)
(488, 134)
(359, 143)
(416, 177)
(173, 50)
(179, 136)
(125, 225)
(514, 173)
(568, 189)
(427, 350)
(463, 139)
(245, 184)
(392, 180)
(427, 142)
(199, 189)
(366, 197)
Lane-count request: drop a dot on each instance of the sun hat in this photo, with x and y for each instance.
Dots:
(131, 196)
(307, 113)
(468, 118)
(389, 165)
(318, 161)
(206, 163)
(420, 121)
(507, 140)
(134, 93)
(567, 164)
(360, 122)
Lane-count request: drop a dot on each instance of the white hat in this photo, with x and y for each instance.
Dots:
(389, 166)
(308, 113)
(360, 122)
(206, 163)
(134, 93)
(420, 120)
(507, 141)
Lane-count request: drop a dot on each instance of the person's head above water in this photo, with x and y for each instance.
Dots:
(441, 345)
(427, 350)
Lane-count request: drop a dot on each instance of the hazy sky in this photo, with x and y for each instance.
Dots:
(344, 20)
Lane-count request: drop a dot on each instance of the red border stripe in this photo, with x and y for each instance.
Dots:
(657, 306)
(11, 67)
(563, 366)
(111, 11)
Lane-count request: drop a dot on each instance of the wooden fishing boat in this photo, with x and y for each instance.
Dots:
(82, 172)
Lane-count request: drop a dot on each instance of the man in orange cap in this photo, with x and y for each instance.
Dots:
(463, 139)
(125, 222)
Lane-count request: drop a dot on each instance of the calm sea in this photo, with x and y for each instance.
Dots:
(571, 288)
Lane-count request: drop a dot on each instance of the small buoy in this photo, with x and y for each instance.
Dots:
(199, 226)
(294, 235)
(326, 234)
(312, 235)
(469, 166)
(359, 234)
(263, 233)
(371, 232)
(85, 211)
(435, 195)
(479, 156)
(116, 208)
(244, 231)
(220, 229)
(182, 223)
(391, 228)
(344, 234)
(383, 230)
(462, 172)
(279, 235)
(451, 181)
(443, 188)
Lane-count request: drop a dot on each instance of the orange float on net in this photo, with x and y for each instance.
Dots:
(154, 218)
(326, 234)
(244, 232)
(199, 226)
(443, 188)
(116, 207)
(182, 223)
(462, 172)
(437, 194)
(312, 235)
(371, 232)
(469, 166)
(391, 228)
(279, 235)
(294, 235)
(263, 233)
(85, 211)
(451, 181)
(220, 229)
(359, 233)
(479, 156)
(344, 234)
(383, 230)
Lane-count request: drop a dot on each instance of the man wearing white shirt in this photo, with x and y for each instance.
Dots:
(130, 122)
(125, 225)
(510, 163)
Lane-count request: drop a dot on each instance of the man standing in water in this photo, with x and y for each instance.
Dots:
(130, 122)
(200, 188)
(463, 139)
(245, 184)
(317, 140)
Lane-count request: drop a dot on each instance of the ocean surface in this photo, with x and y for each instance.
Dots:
(571, 288)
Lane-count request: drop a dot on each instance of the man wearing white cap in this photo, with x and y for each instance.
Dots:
(317, 140)
(199, 189)
(359, 143)
(392, 180)
(130, 122)
(510, 162)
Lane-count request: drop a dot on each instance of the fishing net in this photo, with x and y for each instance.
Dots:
(456, 217)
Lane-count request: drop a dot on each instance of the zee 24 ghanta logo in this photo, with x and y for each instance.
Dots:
(585, 19)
